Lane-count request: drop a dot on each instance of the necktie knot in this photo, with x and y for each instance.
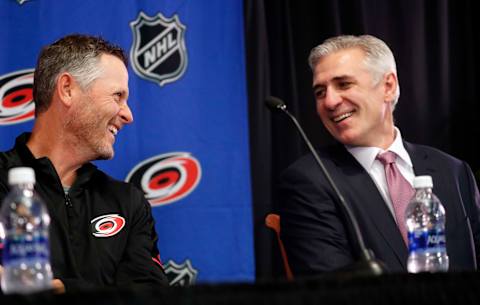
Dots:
(387, 157)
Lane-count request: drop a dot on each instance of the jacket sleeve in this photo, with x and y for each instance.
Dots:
(140, 264)
(312, 228)
(472, 208)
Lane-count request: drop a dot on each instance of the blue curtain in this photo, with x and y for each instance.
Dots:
(188, 146)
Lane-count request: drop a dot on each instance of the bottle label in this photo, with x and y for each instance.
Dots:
(21, 248)
(426, 241)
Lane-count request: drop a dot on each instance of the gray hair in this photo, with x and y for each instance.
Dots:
(379, 58)
(76, 54)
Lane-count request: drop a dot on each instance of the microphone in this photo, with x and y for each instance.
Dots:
(367, 265)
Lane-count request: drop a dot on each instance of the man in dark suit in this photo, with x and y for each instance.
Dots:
(356, 89)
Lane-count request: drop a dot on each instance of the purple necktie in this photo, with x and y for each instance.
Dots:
(400, 190)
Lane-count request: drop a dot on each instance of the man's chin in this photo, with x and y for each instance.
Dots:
(104, 157)
(346, 139)
(105, 154)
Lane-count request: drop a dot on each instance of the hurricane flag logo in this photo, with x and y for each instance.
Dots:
(107, 225)
(16, 96)
(166, 178)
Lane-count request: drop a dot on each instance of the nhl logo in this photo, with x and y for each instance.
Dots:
(158, 51)
(180, 275)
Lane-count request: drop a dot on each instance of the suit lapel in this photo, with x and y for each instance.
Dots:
(362, 194)
(422, 164)
(425, 164)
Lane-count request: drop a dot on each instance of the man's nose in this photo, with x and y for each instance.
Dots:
(332, 98)
(126, 114)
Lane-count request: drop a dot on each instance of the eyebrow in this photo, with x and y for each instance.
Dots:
(335, 79)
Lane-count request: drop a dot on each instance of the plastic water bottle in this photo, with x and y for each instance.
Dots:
(25, 220)
(425, 217)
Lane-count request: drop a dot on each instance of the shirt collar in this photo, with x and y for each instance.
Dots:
(398, 148)
(43, 166)
(366, 155)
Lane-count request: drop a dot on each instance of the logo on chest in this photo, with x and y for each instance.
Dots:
(107, 225)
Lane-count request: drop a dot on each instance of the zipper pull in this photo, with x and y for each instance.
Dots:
(69, 205)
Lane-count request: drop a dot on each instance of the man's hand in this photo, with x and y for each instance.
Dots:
(58, 286)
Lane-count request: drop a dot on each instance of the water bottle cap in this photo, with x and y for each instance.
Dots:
(18, 175)
(422, 181)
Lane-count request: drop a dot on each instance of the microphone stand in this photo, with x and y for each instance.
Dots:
(367, 265)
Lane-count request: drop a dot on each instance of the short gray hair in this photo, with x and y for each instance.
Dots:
(76, 54)
(379, 58)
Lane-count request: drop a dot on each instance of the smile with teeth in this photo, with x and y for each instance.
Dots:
(342, 117)
(113, 130)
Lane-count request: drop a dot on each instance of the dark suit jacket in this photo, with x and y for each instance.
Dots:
(318, 237)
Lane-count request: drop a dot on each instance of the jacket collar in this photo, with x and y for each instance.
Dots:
(43, 166)
(422, 163)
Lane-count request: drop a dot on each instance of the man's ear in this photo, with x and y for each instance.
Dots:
(390, 85)
(65, 88)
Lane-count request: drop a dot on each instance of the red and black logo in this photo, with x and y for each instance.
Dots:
(107, 225)
(16, 94)
(166, 178)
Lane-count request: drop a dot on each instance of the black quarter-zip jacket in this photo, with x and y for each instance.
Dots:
(82, 255)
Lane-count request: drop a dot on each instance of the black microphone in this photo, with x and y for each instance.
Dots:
(367, 265)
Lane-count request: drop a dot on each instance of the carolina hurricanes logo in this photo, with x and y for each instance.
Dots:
(166, 178)
(107, 225)
(16, 97)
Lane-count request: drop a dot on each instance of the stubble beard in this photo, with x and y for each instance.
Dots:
(89, 136)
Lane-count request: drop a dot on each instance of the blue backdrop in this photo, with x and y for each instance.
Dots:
(188, 146)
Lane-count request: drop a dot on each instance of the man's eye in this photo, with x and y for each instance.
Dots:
(319, 93)
(345, 85)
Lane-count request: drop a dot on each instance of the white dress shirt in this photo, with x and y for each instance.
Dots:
(366, 156)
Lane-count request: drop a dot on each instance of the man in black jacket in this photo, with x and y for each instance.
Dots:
(102, 231)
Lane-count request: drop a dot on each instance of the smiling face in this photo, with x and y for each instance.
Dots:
(354, 107)
(101, 110)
